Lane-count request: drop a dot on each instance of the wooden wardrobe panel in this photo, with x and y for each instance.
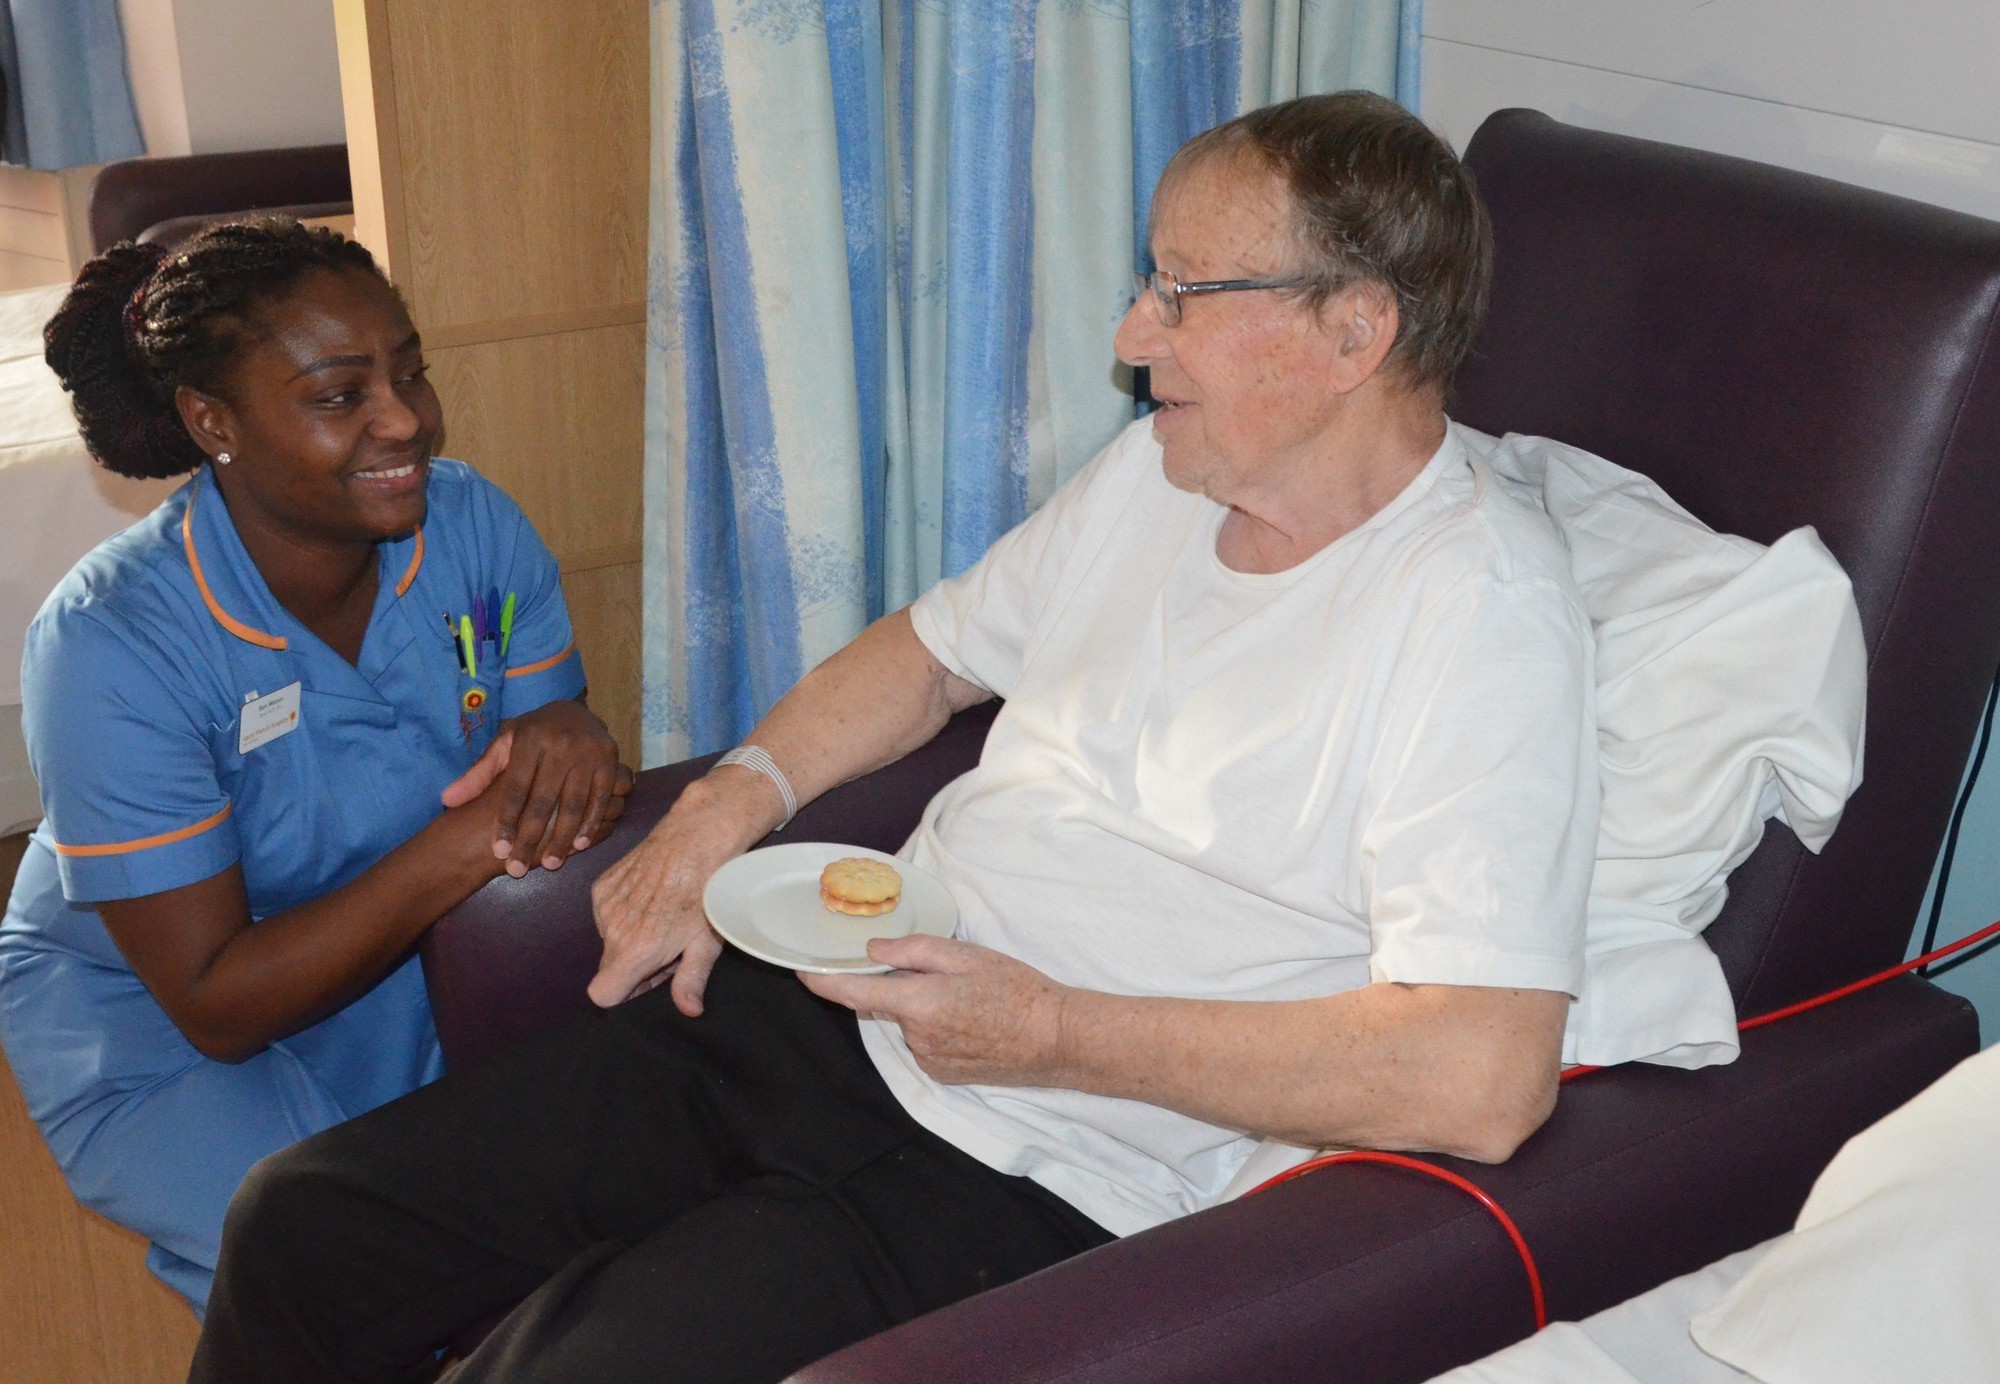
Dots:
(604, 607)
(368, 106)
(556, 421)
(522, 138)
(76, 1303)
(30, 271)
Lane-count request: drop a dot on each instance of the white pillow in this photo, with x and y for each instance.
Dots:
(1891, 1270)
(1730, 686)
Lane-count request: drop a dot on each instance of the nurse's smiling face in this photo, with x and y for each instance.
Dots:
(327, 415)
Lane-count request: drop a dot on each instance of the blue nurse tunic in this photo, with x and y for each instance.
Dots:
(149, 680)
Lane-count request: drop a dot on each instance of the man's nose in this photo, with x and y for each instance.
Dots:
(1141, 339)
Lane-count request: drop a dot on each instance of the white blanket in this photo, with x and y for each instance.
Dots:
(1644, 1340)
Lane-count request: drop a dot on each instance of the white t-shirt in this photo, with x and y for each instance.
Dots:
(1377, 765)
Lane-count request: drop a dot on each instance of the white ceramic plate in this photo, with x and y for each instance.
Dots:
(767, 903)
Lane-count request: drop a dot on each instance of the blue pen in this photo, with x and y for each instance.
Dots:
(479, 619)
(493, 613)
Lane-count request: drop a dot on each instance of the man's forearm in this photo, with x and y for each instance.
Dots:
(1457, 1069)
(868, 705)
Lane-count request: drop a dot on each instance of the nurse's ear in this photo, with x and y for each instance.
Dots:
(208, 420)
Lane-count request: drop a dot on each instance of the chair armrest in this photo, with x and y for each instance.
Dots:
(515, 957)
(1374, 1275)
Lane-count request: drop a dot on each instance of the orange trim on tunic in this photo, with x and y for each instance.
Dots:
(222, 617)
(165, 838)
(550, 662)
(416, 561)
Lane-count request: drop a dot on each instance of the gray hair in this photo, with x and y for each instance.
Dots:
(1376, 197)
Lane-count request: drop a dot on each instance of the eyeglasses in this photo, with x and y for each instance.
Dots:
(1168, 291)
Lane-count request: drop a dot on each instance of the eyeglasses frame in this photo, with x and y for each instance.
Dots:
(1170, 305)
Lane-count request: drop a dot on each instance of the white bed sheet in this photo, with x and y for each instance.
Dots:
(1643, 1340)
(56, 504)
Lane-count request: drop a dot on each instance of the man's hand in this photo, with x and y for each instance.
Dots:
(968, 1013)
(560, 784)
(648, 905)
(872, 702)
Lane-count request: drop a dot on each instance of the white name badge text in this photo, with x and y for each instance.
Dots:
(267, 718)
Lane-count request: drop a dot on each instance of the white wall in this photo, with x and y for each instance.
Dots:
(1892, 94)
(1900, 95)
(215, 76)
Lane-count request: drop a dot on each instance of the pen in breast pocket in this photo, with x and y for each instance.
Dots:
(451, 634)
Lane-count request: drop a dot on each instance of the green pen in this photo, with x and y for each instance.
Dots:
(506, 623)
(465, 642)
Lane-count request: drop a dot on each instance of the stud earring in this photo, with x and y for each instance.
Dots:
(222, 458)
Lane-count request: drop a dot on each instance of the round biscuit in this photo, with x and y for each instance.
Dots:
(857, 879)
(858, 910)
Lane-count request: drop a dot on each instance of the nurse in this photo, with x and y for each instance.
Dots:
(315, 700)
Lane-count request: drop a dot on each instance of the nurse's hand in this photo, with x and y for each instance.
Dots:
(560, 783)
(648, 905)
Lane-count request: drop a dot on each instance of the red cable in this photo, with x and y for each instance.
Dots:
(1479, 1194)
(1842, 993)
(1803, 1005)
(1465, 1185)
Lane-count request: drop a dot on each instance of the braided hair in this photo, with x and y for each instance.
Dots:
(141, 321)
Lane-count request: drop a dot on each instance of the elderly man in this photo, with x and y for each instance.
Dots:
(1283, 833)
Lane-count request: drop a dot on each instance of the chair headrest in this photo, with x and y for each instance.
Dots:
(1777, 349)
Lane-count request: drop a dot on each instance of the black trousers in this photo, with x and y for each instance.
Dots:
(713, 1199)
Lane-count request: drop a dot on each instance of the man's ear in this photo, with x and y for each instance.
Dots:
(207, 418)
(1363, 320)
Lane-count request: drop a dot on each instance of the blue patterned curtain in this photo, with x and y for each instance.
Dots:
(69, 99)
(891, 241)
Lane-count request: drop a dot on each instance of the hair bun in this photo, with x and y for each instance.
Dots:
(89, 343)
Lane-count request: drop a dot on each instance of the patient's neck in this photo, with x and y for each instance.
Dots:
(1371, 450)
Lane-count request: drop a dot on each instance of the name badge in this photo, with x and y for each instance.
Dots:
(266, 718)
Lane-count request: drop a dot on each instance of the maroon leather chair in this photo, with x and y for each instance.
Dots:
(167, 200)
(1777, 350)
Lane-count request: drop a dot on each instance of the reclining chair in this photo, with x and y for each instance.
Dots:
(1776, 350)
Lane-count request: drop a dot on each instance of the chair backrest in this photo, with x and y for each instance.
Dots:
(132, 194)
(1777, 349)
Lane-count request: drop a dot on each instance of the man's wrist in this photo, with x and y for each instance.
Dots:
(1061, 1061)
(758, 759)
(740, 795)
